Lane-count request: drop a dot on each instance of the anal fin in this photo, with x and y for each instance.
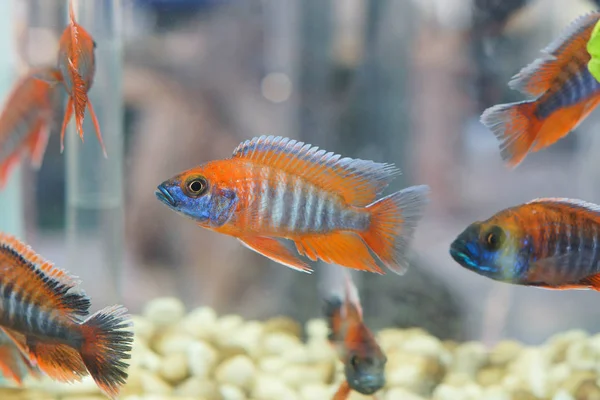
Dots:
(343, 392)
(276, 251)
(344, 248)
(58, 361)
(37, 142)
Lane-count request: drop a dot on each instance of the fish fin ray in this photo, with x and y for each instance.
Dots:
(578, 205)
(343, 392)
(358, 181)
(592, 281)
(58, 361)
(80, 99)
(515, 126)
(354, 308)
(10, 364)
(394, 219)
(536, 78)
(6, 167)
(66, 120)
(339, 247)
(274, 250)
(37, 144)
(97, 128)
(107, 343)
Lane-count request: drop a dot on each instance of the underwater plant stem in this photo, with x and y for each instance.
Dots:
(95, 230)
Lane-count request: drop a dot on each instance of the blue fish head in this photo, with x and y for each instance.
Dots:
(194, 196)
(365, 373)
(486, 250)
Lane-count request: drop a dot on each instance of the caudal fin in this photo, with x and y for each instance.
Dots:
(515, 127)
(393, 222)
(106, 344)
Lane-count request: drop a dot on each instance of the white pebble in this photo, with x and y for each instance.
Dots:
(562, 395)
(317, 329)
(580, 356)
(201, 359)
(271, 388)
(174, 368)
(201, 323)
(153, 384)
(315, 391)
(203, 388)
(164, 312)
(230, 392)
(238, 370)
(400, 393)
(172, 342)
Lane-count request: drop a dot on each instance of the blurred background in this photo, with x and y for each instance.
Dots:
(181, 82)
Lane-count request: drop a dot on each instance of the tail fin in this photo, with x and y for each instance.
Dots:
(393, 222)
(515, 126)
(105, 346)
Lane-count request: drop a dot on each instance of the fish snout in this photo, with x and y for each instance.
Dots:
(163, 194)
(369, 384)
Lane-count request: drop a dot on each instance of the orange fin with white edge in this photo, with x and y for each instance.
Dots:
(593, 282)
(357, 181)
(6, 167)
(66, 120)
(537, 77)
(97, 127)
(37, 143)
(10, 366)
(394, 219)
(516, 128)
(276, 251)
(353, 307)
(339, 247)
(58, 361)
(107, 341)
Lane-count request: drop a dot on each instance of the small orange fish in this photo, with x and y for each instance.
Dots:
(26, 118)
(41, 310)
(364, 361)
(565, 93)
(14, 365)
(552, 243)
(276, 188)
(77, 62)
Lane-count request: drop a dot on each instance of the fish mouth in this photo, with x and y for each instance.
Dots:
(162, 194)
(460, 254)
(368, 385)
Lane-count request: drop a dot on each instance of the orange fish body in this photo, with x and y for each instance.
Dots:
(26, 118)
(276, 188)
(364, 361)
(77, 62)
(565, 93)
(42, 310)
(548, 243)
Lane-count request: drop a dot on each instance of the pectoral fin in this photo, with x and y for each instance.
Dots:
(276, 251)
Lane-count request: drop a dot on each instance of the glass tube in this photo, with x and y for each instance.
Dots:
(95, 231)
(11, 205)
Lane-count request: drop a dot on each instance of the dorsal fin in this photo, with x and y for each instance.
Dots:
(573, 203)
(537, 77)
(57, 281)
(357, 181)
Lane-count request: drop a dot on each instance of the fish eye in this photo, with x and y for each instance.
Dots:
(493, 238)
(354, 361)
(94, 43)
(196, 187)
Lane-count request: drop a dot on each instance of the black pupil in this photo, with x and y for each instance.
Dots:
(493, 239)
(196, 186)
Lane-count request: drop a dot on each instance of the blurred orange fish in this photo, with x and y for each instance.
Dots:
(276, 188)
(565, 91)
(26, 118)
(14, 365)
(76, 61)
(41, 311)
(364, 361)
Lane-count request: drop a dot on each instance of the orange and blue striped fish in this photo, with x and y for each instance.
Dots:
(42, 310)
(26, 119)
(565, 93)
(552, 243)
(77, 63)
(364, 361)
(276, 188)
(14, 365)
